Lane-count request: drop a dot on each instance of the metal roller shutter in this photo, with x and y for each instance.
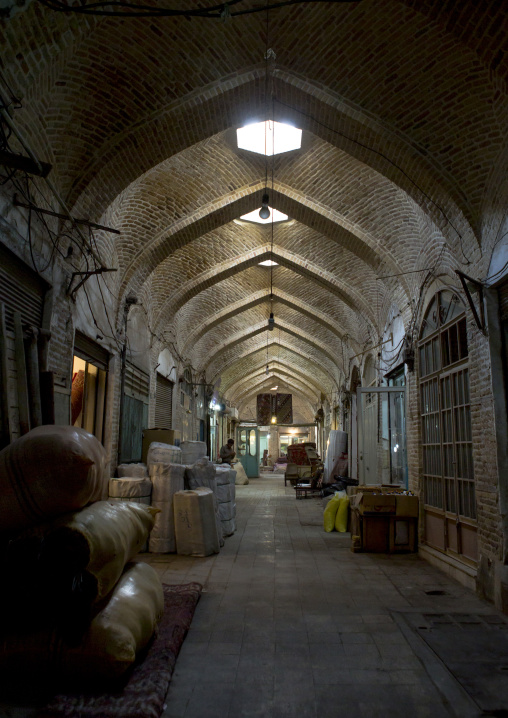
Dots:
(163, 403)
(137, 383)
(21, 289)
(90, 351)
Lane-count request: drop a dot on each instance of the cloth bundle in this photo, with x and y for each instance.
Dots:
(116, 633)
(192, 451)
(159, 453)
(195, 522)
(69, 609)
(138, 490)
(49, 471)
(225, 479)
(74, 561)
(139, 471)
(202, 474)
(241, 476)
(167, 479)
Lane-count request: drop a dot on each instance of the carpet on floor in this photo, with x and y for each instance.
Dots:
(142, 692)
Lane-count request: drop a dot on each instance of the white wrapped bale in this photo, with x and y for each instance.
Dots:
(50, 471)
(222, 474)
(132, 489)
(159, 453)
(225, 493)
(100, 539)
(133, 471)
(167, 479)
(192, 451)
(201, 473)
(241, 476)
(228, 527)
(227, 511)
(109, 647)
(138, 490)
(195, 523)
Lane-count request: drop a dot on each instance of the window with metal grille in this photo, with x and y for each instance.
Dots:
(448, 477)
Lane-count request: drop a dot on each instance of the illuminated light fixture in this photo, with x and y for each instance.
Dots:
(274, 419)
(269, 138)
(268, 263)
(274, 388)
(276, 216)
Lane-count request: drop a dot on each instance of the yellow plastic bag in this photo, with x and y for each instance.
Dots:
(342, 515)
(329, 514)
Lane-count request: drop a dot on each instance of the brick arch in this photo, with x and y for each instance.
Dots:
(292, 331)
(277, 367)
(255, 299)
(299, 265)
(293, 359)
(137, 264)
(239, 388)
(419, 67)
(311, 358)
(263, 380)
(142, 148)
(261, 387)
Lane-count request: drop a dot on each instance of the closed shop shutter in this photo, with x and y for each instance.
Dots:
(90, 351)
(503, 312)
(21, 289)
(503, 301)
(137, 383)
(135, 413)
(163, 403)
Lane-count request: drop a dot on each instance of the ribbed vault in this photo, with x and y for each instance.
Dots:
(400, 176)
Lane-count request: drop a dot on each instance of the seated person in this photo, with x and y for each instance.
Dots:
(227, 453)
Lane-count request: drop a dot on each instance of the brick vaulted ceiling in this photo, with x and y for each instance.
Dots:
(403, 105)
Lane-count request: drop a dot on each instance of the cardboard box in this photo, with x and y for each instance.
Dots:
(164, 436)
(406, 506)
(370, 503)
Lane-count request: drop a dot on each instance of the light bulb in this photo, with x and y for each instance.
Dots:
(264, 212)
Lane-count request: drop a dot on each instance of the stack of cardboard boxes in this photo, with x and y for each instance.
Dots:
(384, 519)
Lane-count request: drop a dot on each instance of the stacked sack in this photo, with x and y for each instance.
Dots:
(72, 607)
(167, 475)
(192, 451)
(202, 475)
(132, 485)
(226, 495)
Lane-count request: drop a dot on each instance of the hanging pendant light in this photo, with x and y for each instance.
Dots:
(264, 212)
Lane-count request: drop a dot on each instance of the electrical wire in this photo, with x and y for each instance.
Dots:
(215, 12)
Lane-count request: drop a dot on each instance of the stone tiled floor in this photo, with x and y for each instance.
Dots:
(293, 624)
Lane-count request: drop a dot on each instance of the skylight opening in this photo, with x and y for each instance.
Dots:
(275, 216)
(268, 263)
(269, 138)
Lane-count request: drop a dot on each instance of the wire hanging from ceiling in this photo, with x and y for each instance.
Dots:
(221, 12)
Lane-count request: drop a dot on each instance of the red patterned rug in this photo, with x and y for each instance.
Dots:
(142, 694)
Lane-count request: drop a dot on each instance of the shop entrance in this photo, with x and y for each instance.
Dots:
(247, 441)
(382, 436)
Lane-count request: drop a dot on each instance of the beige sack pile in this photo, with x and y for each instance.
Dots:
(70, 608)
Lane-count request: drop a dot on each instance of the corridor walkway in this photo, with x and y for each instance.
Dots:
(292, 623)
